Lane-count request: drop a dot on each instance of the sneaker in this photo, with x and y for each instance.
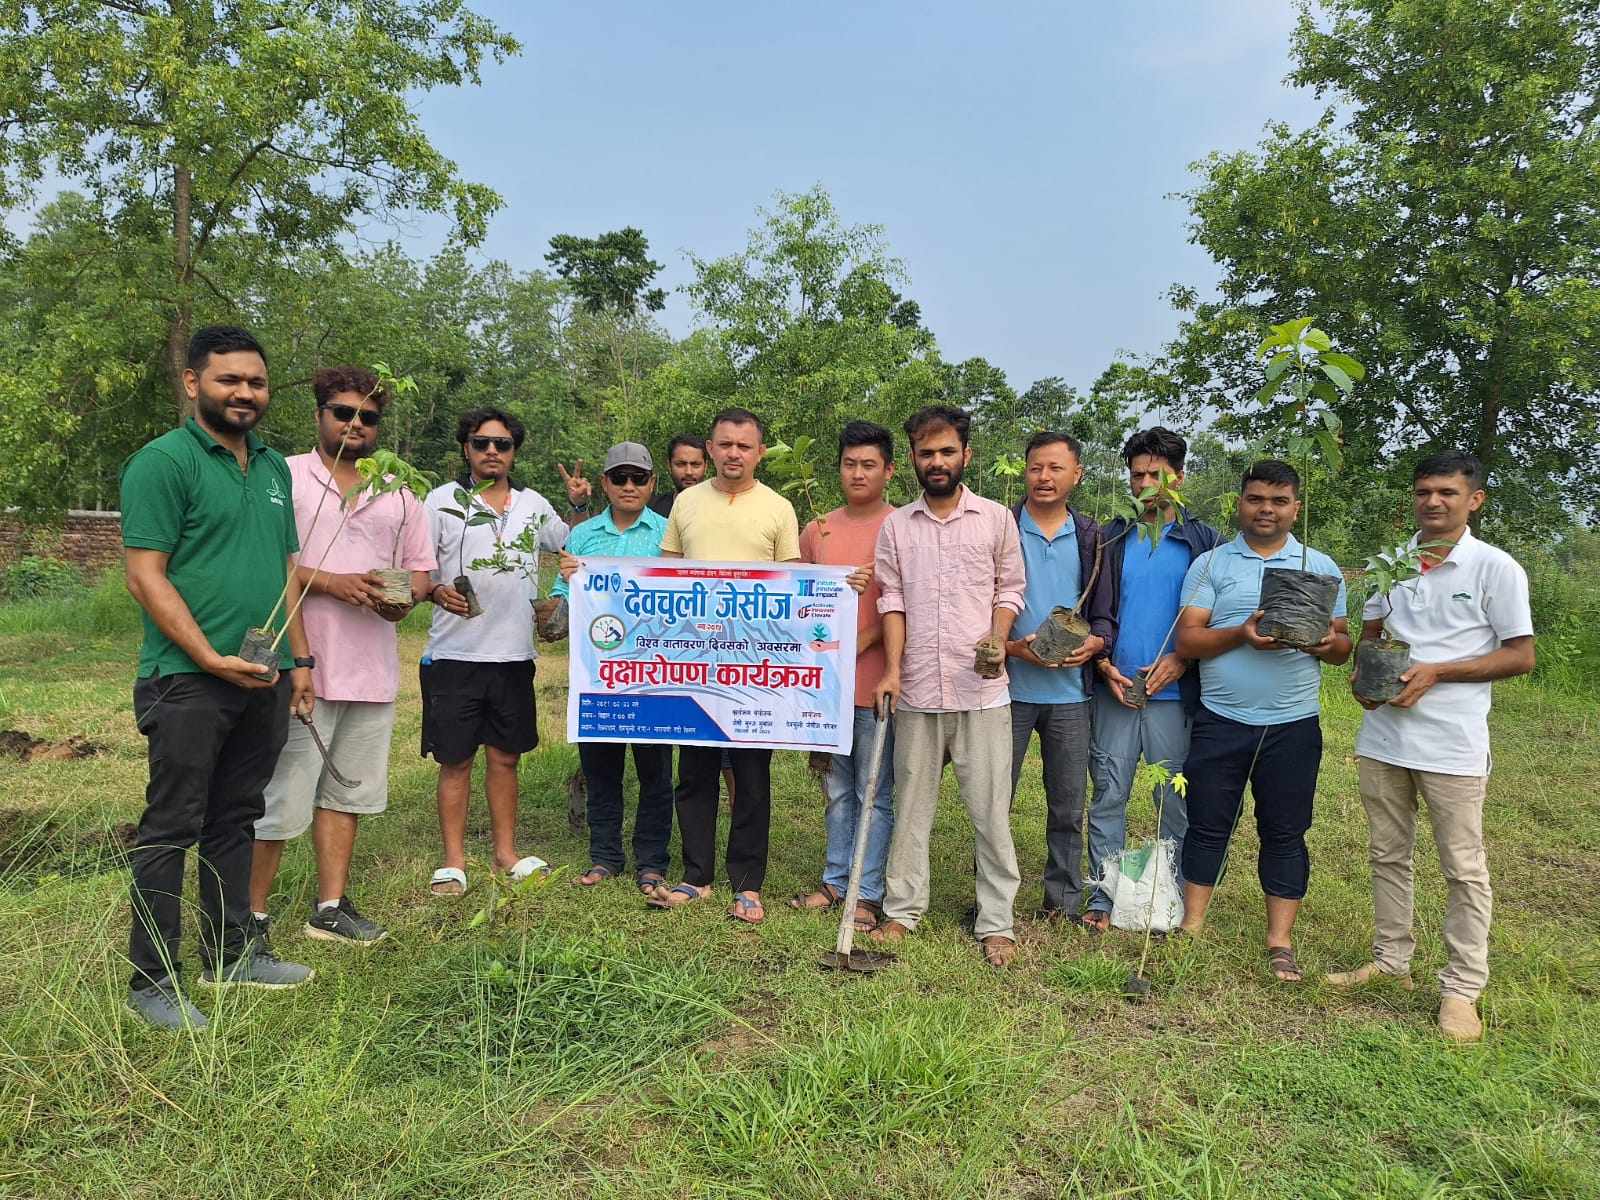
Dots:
(165, 1007)
(344, 924)
(1370, 973)
(258, 966)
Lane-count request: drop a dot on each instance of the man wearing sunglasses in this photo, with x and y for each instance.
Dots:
(356, 669)
(626, 528)
(477, 672)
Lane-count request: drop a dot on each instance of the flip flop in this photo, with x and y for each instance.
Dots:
(453, 875)
(687, 891)
(742, 905)
(526, 866)
(648, 883)
(594, 875)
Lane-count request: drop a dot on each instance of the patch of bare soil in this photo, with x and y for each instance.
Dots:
(24, 747)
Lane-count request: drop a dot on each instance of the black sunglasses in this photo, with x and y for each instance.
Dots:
(481, 444)
(345, 412)
(624, 475)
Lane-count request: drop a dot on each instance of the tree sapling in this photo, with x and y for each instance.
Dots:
(1380, 661)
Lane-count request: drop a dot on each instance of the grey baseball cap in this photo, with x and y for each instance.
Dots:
(628, 454)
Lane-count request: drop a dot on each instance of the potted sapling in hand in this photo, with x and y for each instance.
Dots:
(1381, 661)
(1297, 605)
(470, 512)
(382, 473)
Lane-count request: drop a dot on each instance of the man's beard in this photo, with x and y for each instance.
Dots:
(946, 487)
(349, 453)
(216, 414)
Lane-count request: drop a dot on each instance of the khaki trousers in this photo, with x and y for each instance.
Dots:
(978, 744)
(1455, 809)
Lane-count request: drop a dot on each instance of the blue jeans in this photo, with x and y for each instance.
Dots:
(1064, 752)
(847, 788)
(1160, 732)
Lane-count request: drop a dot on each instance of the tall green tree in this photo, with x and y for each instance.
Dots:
(1442, 220)
(269, 125)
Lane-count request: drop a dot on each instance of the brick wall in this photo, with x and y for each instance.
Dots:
(90, 540)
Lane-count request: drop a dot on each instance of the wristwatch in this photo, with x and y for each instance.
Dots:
(307, 662)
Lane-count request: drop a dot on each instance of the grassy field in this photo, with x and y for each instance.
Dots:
(590, 1047)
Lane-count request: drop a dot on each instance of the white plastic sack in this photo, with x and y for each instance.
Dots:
(1140, 876)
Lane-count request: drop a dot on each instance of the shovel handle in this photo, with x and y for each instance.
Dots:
(852, 893)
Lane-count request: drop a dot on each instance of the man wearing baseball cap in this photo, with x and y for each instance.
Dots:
(626, 528)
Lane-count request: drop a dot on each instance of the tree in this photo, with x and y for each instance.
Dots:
(271, 125)
(811, 324)
(610, 277)
(1443, 221)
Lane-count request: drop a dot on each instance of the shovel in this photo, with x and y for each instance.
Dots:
(843, 956)
(323, 750)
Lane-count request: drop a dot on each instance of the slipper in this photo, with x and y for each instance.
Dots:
(1281, 959)
(649, 882)
(999, 951)
(685, 893)
(445, 875)
(743, 906)
(825, 897)
(1094, 921)
(595, 874)
(526, 866)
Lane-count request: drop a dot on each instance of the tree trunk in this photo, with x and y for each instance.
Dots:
(183, 277)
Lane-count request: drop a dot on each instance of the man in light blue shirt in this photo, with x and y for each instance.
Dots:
(1259, 702)
(1058, 548)
(627, 528)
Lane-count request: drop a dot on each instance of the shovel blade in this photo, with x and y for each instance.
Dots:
(862, 962)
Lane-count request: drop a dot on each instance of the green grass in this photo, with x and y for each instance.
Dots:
(588, 1047)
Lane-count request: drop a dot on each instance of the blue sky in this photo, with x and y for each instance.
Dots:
(1018, 155)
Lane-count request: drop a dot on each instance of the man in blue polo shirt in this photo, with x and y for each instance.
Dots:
(628, 528)
(1058, 553)
(1259, 704)
(1146, 585)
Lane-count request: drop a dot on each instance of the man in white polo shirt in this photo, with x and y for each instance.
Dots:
(1468, 623)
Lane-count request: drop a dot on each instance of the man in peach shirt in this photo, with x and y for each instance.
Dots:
(950, 566)
(848, 536)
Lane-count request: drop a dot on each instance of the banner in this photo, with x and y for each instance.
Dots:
(745, 655)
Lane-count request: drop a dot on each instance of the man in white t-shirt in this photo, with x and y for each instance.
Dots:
(1468, 623)
(477, 671)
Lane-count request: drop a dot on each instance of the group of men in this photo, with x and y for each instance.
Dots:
(952, 586)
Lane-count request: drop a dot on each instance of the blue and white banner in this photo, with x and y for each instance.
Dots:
(745, 655)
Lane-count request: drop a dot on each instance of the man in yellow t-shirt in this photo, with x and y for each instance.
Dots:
(731, 517)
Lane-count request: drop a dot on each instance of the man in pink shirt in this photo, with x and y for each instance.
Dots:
(356, 670)
(950, 566)
(848, 537)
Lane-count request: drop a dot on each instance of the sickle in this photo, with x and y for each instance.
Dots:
(323, 750)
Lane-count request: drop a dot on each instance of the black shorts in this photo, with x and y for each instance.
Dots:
(470, 704)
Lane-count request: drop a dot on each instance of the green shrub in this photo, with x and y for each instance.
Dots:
(37, 577)
(104, 610)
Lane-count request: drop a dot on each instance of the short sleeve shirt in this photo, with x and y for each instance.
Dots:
(755, 525)
(1464, 607)
(356, 649)
(1255, 687)
(851, 542)
(1053, 571)
(601, 538)
(227, 533)
(503, 632)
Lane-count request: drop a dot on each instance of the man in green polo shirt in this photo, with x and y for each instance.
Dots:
(208, 523)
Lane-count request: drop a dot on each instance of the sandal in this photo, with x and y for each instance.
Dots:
(1095, 921)
(825, 897)
(1282, 964)
(999, 951)
(866, 918)
(454, 879)
(684, 893)
(595, 874)
(743, 908)
(649, 882)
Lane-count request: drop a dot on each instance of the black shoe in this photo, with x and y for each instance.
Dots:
(344, 924)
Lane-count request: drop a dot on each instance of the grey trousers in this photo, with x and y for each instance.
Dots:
(1159, 732)
(976, 745)
(1064, 747)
